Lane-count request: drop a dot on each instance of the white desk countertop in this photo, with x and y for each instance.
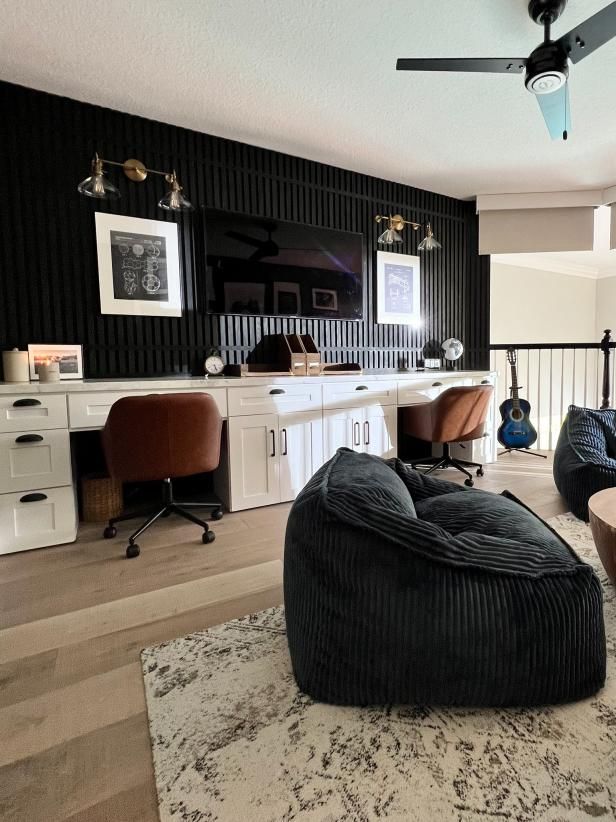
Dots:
(185, 382)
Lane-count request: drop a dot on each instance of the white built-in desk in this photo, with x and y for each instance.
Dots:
(279, 431)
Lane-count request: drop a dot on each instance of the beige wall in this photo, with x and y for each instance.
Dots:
(528, 305)
(606, 305)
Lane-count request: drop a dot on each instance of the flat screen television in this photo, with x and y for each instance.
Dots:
(259, 266)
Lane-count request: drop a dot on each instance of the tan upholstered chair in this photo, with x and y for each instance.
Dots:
(160, 437)
(457, 415)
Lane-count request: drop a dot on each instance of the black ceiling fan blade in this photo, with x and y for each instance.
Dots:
(590, 35)
(244, 238)
(493, 65)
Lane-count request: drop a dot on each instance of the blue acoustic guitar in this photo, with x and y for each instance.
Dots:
(516, 432)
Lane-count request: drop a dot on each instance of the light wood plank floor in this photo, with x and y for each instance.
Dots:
(73, 727)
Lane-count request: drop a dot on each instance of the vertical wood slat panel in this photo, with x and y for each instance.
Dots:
(48, 266)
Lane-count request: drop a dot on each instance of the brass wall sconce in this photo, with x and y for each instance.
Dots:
(97, 185)
(396, 223)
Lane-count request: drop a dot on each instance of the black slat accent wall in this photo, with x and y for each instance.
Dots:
(48, 267)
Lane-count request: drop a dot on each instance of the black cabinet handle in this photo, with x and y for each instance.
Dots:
(434, 384)
(486, 382)
(277, 391)
(273, 433)
(285, 447)
(356, 440)
(361, 387)
(26, 401)
(29, 438)
(33, 498)
(366, 432)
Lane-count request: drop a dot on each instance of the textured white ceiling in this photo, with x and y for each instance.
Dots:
(317, 79)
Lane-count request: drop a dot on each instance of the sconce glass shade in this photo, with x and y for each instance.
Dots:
(389, 237)
(429, 242)
(174, 200)
(97, 185)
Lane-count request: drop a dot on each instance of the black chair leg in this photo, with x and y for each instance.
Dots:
(150, 521)
(182, 512)
(442, 463)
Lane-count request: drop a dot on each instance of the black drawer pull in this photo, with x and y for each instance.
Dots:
(33, 498)
(29, 438)
(435, 384)
(361, 387)
(486, 382)
(277, 391)
(25, 402)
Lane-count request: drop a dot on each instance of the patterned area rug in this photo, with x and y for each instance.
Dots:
(233, 740)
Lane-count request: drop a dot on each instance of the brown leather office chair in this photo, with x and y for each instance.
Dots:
(160, 437)
(457, 415)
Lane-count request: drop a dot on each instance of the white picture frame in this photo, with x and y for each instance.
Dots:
(70, 358)
(325, 299)
(398, 289)
(138, 266)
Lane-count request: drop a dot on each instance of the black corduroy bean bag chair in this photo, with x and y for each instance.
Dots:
(401, 588)
(585, 456)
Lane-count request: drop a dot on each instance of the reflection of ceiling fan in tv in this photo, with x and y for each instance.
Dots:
(547, 68)
(264, 248)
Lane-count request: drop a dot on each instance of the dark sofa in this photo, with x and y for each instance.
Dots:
(401, 588)
(585, 456)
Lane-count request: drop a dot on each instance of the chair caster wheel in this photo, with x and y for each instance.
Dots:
(469, 482)
(109, 532)
(480, 472)
(132, 551)
(217, 513)
(207, 537)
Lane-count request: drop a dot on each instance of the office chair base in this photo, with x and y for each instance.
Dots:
(170, 506)
(447, 461)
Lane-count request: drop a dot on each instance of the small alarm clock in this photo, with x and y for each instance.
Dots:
(214, 365)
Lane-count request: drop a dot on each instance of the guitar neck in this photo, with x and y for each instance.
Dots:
(515, 394)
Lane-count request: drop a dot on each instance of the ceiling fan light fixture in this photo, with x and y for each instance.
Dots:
(547, 82)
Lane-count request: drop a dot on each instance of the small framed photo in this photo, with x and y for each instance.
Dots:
(325, 299)
(398, 292)
(138, 266)
(69, 357)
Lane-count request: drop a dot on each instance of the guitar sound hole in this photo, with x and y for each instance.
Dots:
(517, 414)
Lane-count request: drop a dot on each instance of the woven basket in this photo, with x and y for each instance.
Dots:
(101, 497)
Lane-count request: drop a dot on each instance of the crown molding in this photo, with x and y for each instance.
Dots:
(591, 198)
(545, 263)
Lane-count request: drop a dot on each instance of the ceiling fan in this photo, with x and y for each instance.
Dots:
(547, 67)
(264, 248)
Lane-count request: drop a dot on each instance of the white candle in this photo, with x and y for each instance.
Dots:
(49, 372)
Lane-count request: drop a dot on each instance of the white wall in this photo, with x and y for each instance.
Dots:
(606, 306)
(532, 306)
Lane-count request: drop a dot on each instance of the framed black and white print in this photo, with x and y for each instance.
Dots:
(138, 266)
(398, 289)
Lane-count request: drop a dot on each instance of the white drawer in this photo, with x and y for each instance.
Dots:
(31, 460)
(37, 518)
(32, 413)
(418, 391)
(90, 410)
(357, 393)
(269, 399)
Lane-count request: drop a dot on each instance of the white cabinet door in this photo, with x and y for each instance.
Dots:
(254, 461)
(342, 429)
(379, 431)
(301, 451)
(37, 519)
